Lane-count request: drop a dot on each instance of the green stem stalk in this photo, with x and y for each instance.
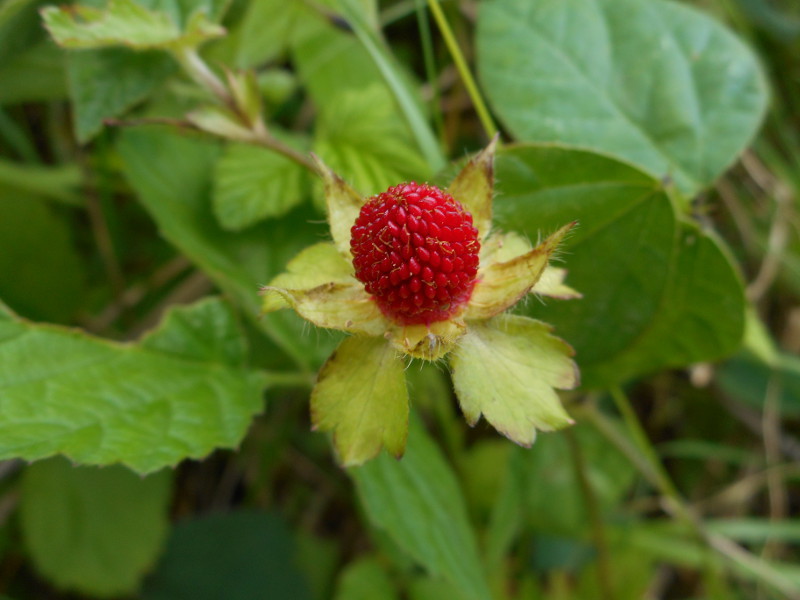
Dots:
(430, 68)
(463, 70)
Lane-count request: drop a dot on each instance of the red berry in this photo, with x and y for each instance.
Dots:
(416, 251)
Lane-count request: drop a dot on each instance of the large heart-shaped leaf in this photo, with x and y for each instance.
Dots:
(656, 292)
(651, 81)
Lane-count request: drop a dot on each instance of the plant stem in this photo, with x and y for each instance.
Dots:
(394, 79)
(430, 68)
(258, 135)
(463, 70)
(636, 431)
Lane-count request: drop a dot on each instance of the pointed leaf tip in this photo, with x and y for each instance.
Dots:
(502, 284)
(473, 187)
(332, 305)
(343, 204)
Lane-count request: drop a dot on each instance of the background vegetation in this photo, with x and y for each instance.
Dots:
(146, 193)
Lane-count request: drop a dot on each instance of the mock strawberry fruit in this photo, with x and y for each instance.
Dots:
(416, 251)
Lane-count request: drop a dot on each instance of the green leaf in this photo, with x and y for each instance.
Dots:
(315, 266)
(244, 88)
(319, 558)
(11, 9)
(20, 28)
(182, 11)
(549, 482)
(418, 503)
(507, 513)
(396, 80)
(329, 60)
(748, 380)
(54, 182)
(484, 473)
(106, 83)
(361, 396)
(632, 577)
(343, 205)
(778, 21)
(343, 306)
(506, 369)
(126, 23)
(252, 183)
(428, 588)
(370, 130)
(753, 530)
(172, 177)
(365, 579)
(41, 274)
(656, 292)
(702, 314)
(221, 121)
(473, 187)
(147, 405)
(205, 332)
(95, 531)
(36, 74)
(653, 82)
(360, 137)
(236, 556)
(265, 32)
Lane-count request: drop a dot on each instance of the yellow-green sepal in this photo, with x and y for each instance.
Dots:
(473, 187)
(507, 369)
(503, 247)
(343, 204)
(342, 306)
(551, 283)
(503, 284)
(320, 287)
(361, 397)
(314, 266)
